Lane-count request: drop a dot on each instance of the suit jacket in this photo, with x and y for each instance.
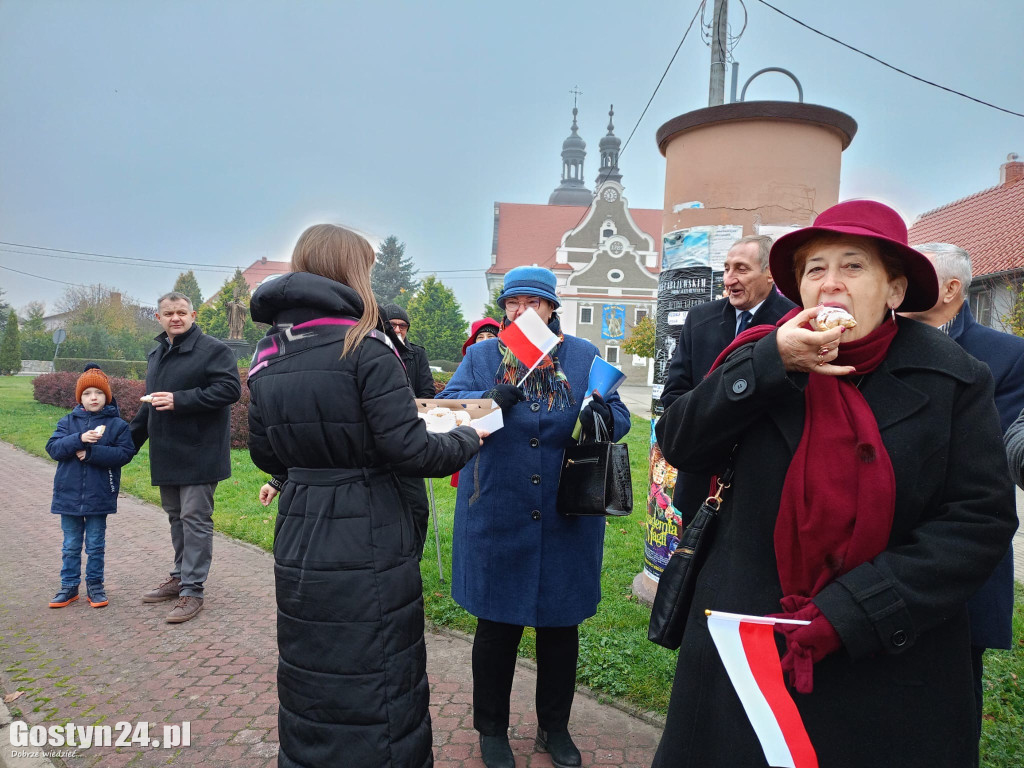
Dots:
(708, 330)
(991, 608)
(902, 617)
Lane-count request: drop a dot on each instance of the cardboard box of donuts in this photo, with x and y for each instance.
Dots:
(445, 415)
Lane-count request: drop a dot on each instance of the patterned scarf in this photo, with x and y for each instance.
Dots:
(546, 381)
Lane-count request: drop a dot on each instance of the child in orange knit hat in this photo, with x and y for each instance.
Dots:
(90, 444)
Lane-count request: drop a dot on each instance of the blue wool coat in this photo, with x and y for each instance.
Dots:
(991, 609)
(89, 487)
(515, 559)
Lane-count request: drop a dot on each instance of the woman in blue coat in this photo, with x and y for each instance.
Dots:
(516, 561)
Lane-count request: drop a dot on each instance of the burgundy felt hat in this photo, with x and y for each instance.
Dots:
(867, 219)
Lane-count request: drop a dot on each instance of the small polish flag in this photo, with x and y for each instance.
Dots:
(747, 647)
(529, 338)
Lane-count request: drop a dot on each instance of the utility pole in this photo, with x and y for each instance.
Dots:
(719, 34)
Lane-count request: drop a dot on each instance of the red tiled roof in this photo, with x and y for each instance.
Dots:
(530, 234)
(989, 225)
(261, 270)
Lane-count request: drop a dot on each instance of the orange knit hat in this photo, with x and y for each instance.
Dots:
(93, 377)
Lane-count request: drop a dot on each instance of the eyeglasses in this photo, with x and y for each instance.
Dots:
(514, 304)
(398, 325)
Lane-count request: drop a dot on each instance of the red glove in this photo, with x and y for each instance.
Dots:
(806, 644)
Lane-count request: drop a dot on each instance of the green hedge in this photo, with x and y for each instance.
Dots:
(124, 369)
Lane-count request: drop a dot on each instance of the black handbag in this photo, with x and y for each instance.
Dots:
(595, 478)
(676, 586)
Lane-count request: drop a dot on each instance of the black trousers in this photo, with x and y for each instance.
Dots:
(494, 665)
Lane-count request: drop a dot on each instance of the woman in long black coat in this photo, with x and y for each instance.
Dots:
(332, 418)
(870, 497)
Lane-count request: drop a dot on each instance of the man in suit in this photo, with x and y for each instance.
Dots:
(710, 328)
(991, 609)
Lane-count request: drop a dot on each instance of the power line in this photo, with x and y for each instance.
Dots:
(120, 258)
(169, 265)
(622, 151)
(40, 277)
(886, 64)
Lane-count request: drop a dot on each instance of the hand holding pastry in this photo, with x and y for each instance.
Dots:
(810, 351)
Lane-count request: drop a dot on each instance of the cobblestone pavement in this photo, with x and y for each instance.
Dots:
(124, 663)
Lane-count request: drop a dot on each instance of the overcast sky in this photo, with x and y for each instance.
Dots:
(213, 133)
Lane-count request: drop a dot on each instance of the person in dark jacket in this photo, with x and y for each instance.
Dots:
(191, 381)
(710, 328)
(869, 498)
(516, 561)
(90, 444)
(332, 420)
(991, 609)
(417, 371)
(417, 367)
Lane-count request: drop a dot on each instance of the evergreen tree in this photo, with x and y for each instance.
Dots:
(36, 341)
(10, 347)
(5, 308)
(213, 316)
(492, 310)
(393, 278)
(436, 321)
(187, 284)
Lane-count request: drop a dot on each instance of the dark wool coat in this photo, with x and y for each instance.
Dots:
(190, 445)
(709, 328)
(991, 609)
(417, 368)
(515, 559)
(352, 671)
(899, 692)
(89, 487)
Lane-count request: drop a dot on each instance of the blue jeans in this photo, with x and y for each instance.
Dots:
(93, 528)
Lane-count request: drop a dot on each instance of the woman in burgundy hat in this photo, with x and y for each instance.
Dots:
(870, 498)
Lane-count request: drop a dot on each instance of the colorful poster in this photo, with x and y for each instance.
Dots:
(661, 534)
(613, 321)
(687, 248)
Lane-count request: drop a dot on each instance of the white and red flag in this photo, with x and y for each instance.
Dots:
(747, 647)
(529, 338)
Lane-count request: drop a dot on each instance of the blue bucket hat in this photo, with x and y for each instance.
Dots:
(530, 281)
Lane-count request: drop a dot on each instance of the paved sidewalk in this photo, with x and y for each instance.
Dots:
(123, 663)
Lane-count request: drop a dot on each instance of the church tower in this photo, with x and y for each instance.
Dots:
(572, 190)
(610, 147)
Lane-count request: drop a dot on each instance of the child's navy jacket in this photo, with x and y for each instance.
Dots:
(89, 487)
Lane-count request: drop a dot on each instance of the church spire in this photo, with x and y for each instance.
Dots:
(609, 147)
(572, 190)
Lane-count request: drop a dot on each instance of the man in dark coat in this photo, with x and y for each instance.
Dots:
(711, 327)
(191, 381)
(991, 609)
(417, 370)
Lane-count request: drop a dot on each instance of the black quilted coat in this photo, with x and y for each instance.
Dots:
(352, 669)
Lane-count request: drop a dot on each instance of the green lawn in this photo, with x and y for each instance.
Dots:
(615, 656)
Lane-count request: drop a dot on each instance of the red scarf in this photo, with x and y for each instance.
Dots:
(840, 493)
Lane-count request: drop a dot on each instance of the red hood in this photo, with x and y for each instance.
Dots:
(475, 329)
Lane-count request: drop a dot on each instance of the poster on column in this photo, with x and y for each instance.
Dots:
(685, 282)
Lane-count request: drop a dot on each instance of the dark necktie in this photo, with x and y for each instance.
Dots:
(743, 322)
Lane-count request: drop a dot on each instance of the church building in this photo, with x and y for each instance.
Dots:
(605, 255)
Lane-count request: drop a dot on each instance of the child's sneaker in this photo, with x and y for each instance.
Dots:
(95, 593)
(66, 596)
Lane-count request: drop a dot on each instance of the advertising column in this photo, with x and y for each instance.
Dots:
(692, 265)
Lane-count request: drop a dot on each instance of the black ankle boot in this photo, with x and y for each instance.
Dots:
(559, 745)
(496, 751)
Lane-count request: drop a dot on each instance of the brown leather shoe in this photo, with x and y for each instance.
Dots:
(166, 591)
(186, 608)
